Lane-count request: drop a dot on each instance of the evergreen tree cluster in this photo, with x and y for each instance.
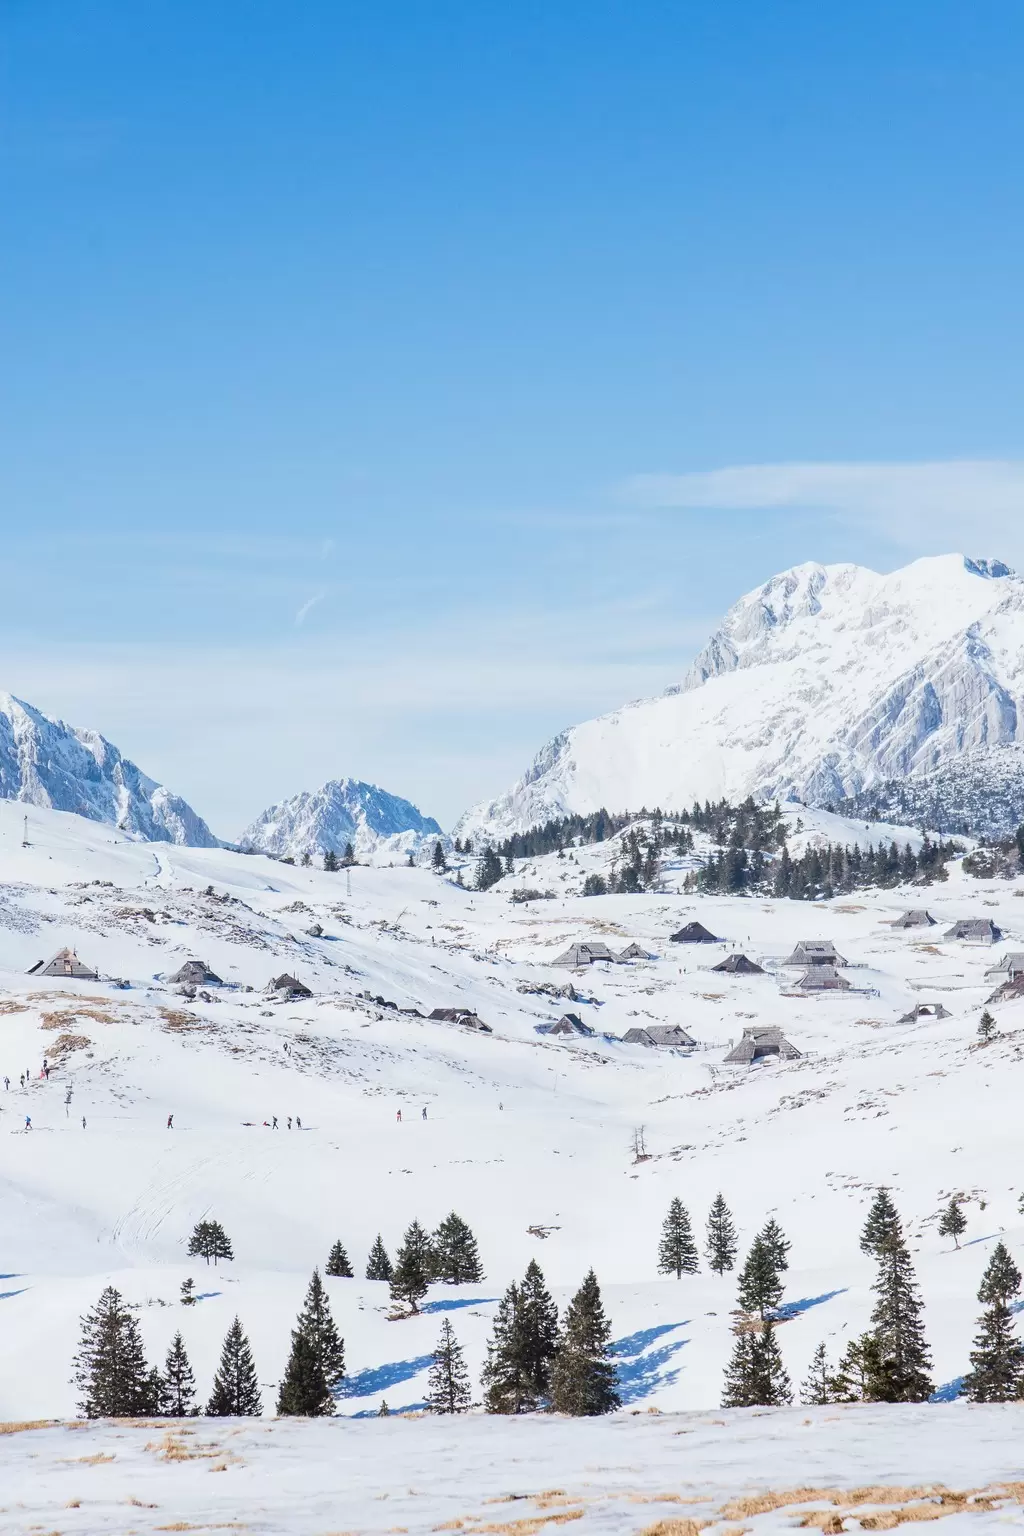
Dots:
(210, 1241)
(533, 1363)
(820, 872)
(756, 1375)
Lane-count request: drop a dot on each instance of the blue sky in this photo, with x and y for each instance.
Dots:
(367, 372)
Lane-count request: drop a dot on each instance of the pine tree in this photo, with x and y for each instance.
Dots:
(677, 1253)
(413, 1268)
(438, 860)
(819, 1386)
(507, 1380)
(489, 870)
(330, 861)
(777, 1244)
(317, 1361)
(538, 1331)
(338, 1266)
(755, 1376)
(348, 858)
(953, 1222)
(110, 1368)
(383, 1412)
(859, 1369)
(997, 1359)
(179, 1384)
(901, 1374)
(760, 1289)
(209, 1241)
(378, 1265)
(456, 1258)
(583, 1379)
(448, 1384)
(986, 1027)
(188, 1293)
(236, 1392)
(721, 1243)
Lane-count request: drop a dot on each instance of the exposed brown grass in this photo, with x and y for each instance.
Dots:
(529, 1525)
(179, 1023)
(62, 1016)
(97, 1459)
(65, 1044)
(8, 1005)
(675, 1527)
(17, 1426)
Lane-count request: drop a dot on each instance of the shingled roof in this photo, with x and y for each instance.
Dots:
(759, 1043)
(694, 933)
(739, 965)
(917, 917)
(815, 952)
(64, 963)
(671, 1035)
(822, 978)
(974, 930)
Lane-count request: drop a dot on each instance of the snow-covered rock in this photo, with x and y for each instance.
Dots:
(826, 681)
(47, 763)
(382, 828)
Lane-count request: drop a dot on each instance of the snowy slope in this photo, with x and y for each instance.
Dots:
(820, 684)
(381, 827)
(47, 763)
(522, 1131)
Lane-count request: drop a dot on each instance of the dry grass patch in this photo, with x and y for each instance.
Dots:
(60, 1017)
(97, 1459)
(675, 1527)
(18, 1426)
(65, 1044)
(179, 1023)
(529, 1525)
(8, 1005)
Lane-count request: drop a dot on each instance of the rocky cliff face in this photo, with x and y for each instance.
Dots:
(821, 684)
(45, 762)
(382, 828)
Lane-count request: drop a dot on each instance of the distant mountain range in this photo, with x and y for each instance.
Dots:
(828, 684)
(382, 828)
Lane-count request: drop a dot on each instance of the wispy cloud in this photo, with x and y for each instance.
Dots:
(307, 607)
(933, 501)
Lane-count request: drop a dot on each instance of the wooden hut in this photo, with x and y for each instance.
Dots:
(925, 1011)
(759, 1044)
(694, 933)
(288, 988)
(64, 963)
(822, 978)
(815, 952)
(634, 951)
(917, 917)
(568, 1024)
(195, 973)
(1009, 968)
(672, 1036)
(1008, 991)
(739, 965)
(974, 930)
(581, 954)
(464, 1016)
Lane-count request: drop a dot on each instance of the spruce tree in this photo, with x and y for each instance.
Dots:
(209, 1241)
(986, 1027)
(330, 861)
(755, 1376)
(236, 1391)
(777, 1244)
(179, 1384)
(413, 1267)
(953, 1222)
(383, 1412)
(438, 860)
(338, 1266)
(583, 1379)
(760, 1289)
(110, 1368)
(819, 1386)
(721, 1243)
(348, 858)
(317, 1361)
(378, 1265)
(538, 1331)
(507, 1380)
(489, 870)
(188, 1292)
(997, 1359)
(859, 1368)
(456, 1258)
(448, 1384)
(677, 1253)
(901, 1375)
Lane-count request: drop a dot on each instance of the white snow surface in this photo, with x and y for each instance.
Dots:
(823, 682)
(45, 762)
(759, 1471)
(382, 828)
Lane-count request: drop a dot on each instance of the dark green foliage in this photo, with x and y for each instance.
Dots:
(819, 1387)
(317, 1360)
(489, 871)
(677, 1252)
(448, 1384)
(383, 1412)
(209, 1241)
(110, 1368)
(188, 1293)
(997, 1359)
(414, 1266)
(953, 1222)
(338, 1266)
(901, 1373)
(721, 1240)
(348, 858)
(986, 1027)
(236, 1392)
(455, 1256)
(438, 860)
(507, 1383)
(777, 1244)
(861, 1371)
(755, 1376)
(378, 1265)
(330, 861)
(583, 1379)
(178, 1384)
(538, 1331)
(595, 885)
(760, 1289)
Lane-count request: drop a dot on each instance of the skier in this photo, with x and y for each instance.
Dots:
(170, 1122)
(298, 1123)
(289, 1122)
(398, 1117)
(273, 1126)
(7, 1083)
(83, 1122)
(21, 1080)
(28, 1122)
(424, 1111)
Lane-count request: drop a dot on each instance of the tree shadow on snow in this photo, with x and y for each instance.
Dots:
(972, 1240)
(374, 1413)
(456, 1302)
(5, 1295)
(949, 1391)
(378, 1378)
(794, 1308)
(640, 1374)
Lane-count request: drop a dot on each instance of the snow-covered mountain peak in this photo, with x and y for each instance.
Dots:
(47, 763)
(817, 685)
(381, 827)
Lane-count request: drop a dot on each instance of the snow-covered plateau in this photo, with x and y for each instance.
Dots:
(381, 827)
(826, 683)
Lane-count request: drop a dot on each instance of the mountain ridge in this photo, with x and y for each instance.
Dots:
(379, 825)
